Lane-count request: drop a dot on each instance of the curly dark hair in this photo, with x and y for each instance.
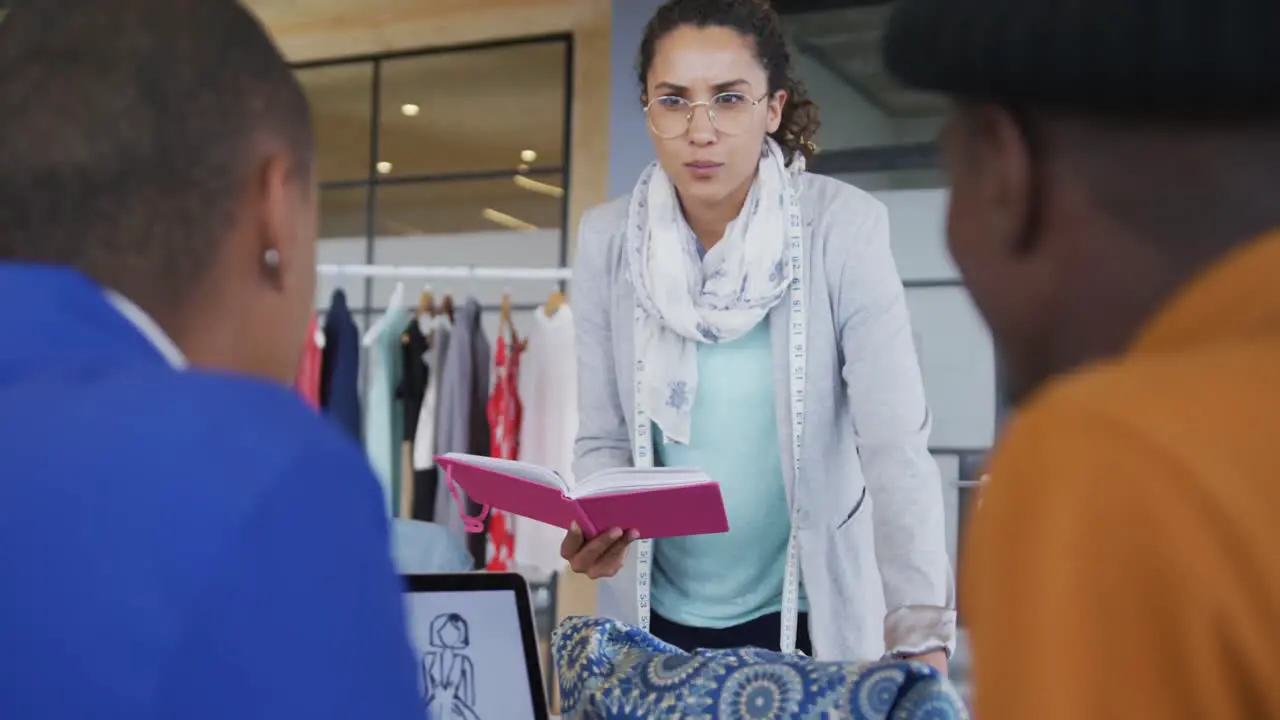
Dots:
(758, 20)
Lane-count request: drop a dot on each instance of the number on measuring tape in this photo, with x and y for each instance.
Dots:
(643, 438)
(644, 460)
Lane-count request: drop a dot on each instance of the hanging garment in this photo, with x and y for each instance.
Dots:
(503, 411)
(413, 387)
(308, 381)
(549, 394)
(425, 472)
(340, 366)
(383, 412)
(462, 425)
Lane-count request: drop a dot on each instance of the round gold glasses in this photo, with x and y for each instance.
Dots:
(670, 116)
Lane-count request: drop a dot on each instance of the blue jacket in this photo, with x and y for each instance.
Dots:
(179, 544)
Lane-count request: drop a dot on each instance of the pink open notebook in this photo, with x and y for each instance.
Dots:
(657, 503)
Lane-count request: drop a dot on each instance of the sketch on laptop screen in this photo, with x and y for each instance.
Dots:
(471, 662)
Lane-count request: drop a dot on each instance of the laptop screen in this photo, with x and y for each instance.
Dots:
(471, 654)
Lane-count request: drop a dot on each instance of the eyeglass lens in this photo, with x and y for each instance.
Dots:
(670, 116)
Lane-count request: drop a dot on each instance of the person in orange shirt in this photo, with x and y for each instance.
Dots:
(1115, 213)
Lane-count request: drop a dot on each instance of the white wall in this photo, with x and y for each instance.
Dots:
(957, 356)
(630, 149)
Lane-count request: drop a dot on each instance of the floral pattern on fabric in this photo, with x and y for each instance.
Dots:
(612, 671)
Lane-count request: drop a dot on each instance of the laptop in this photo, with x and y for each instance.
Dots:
(475, 646)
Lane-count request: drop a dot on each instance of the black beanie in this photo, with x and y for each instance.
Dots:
(1195, 59)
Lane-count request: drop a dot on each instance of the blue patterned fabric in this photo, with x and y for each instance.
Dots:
(611, 671)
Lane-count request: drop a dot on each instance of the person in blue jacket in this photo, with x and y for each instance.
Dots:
(180, 536)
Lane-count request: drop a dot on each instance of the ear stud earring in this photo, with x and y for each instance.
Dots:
(271, 258)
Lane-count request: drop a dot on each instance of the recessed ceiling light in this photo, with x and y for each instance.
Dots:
(410, 110)
(528, 155)
(384, 167)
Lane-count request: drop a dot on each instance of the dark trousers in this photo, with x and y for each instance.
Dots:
(763, 632)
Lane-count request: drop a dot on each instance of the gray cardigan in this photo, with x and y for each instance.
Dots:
(868, 508)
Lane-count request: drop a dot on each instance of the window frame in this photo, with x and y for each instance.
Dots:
(373, 180)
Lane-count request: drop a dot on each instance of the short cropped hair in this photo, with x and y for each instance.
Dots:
(127, 130)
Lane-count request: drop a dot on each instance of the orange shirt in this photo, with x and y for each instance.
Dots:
(1125, 559)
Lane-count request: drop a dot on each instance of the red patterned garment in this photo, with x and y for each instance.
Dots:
(504, 411)
(308, 381)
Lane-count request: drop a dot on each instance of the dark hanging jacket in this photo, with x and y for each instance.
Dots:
(340, 368)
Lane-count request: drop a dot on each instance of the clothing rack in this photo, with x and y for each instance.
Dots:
(489, 308)
(428, 272)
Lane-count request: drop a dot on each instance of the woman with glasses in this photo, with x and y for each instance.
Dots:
(742, 316)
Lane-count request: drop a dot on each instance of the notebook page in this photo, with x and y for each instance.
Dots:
(526, 471)
(622, 480)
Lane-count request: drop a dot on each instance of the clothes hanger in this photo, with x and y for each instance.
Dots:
(504, 315)
(554, 302)
(426, 302)
(397, 299)
(504, 321)
(426, 309)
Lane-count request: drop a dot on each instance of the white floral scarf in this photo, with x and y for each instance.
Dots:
(714, 299)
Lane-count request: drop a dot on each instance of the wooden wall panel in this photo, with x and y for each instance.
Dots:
(324, 29)
(589, 171)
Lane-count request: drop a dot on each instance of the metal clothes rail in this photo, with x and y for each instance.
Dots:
(441, 272)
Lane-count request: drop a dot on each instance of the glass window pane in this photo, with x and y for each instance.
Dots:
(342, 242)
(341, 109)
(343, 212)
(473, 110)
(464, 206)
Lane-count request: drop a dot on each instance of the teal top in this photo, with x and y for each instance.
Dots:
(384, 412)
(718, 581)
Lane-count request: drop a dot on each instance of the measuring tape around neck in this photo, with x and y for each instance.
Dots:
(796, 354)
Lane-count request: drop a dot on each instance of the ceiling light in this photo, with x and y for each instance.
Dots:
(410, 110)
(527, 183)
(528, 156)
(506, 220)
(384, 167)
